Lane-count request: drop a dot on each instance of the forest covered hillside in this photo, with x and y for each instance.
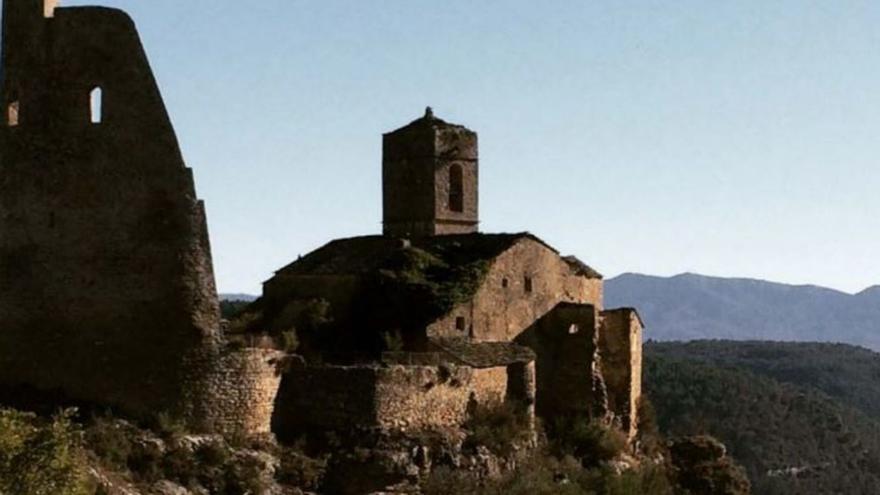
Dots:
(801, 418)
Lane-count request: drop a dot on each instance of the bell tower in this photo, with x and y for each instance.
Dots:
(430, 179)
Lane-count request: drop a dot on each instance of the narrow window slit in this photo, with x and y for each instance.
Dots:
(12, 114)
(96, 105)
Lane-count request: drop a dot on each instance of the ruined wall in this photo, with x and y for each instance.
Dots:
(490, 385)
(417, 166)
(566, 344)
(392, 398)
(234, 391)
(399, 398)
(621, 349)
(503, 308)
(106, 281)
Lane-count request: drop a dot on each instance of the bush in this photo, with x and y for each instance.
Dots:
(42, 458)
(111, 442)
(299, 470)
(497, 427)
(547, 475)
(588, 440)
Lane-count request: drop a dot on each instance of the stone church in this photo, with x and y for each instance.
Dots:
(432, 289)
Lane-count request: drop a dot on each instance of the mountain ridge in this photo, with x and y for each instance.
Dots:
(690, 306)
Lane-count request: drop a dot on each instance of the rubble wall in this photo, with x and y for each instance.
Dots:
(621, 349)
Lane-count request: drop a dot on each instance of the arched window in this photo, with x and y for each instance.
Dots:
(96, 104)
(456, 188)
(12, 114)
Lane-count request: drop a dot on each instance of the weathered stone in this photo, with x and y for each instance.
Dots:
(430, 179)
(106, 283)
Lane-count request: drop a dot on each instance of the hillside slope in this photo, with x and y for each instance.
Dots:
(790, 439)
(689, 306)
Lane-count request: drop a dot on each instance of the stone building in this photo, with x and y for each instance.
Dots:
(432, 290)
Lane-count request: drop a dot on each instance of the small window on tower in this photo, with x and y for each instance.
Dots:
(528, 284)
(505, 283)
(12, 114)
(96, 105)
(456, 188)
(460, 324)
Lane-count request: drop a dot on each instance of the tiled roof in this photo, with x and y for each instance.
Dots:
(484, 354)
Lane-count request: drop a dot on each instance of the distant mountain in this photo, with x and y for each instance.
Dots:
(238, 297)
(690, 306)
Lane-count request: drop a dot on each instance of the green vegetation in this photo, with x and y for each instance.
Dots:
(498, 428)
(414, 286)
(587, 440)
(791, 437)
(42, 457)
(547, 475)
(231, 309)
(846, 373)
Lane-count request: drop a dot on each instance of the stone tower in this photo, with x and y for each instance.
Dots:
(106, 281)
(430, 179)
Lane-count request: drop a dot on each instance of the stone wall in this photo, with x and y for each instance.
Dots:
(390, 398)
(233, 391)
(490, 385)
(621, 349)
(503, 307)
(106, 280)
(565, 342)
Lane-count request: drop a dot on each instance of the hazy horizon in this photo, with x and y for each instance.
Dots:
(729, 139)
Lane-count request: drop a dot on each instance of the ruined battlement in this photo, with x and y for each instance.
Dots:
(106, 280)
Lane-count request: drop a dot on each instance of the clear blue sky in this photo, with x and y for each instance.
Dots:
(726, 138)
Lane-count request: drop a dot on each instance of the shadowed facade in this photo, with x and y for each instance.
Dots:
(106, 282)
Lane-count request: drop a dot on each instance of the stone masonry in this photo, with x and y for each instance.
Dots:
(106, 282)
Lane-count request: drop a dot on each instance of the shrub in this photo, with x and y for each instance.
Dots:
(497, 427)
(42, 458)
(547, 475)
(588, 440)
(110, 441)
(299, 470)
(169, 426)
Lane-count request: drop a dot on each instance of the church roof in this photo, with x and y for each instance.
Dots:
(428, 121)
(361, 255)
(581, 268)
(484, 354)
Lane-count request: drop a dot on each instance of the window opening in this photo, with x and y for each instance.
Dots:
(528, 284)
(456, 188)
(12, 114)
(460, 324)
(96, 104)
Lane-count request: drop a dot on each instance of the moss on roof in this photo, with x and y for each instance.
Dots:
(361, 255)
(408, 284)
